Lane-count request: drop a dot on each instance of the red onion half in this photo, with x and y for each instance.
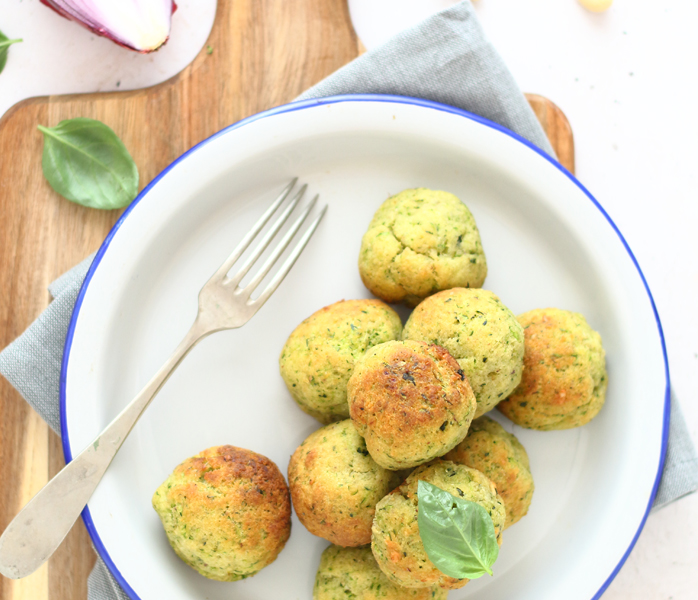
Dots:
(140, 25)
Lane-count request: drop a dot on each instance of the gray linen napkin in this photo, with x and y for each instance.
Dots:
(447, 59)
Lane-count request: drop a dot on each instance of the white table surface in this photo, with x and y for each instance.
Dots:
(626, 81)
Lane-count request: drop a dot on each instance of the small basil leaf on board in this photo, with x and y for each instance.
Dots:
(5, 44)
(86, 162)
(458, 535)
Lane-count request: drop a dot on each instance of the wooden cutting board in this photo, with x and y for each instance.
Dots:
(261, 53)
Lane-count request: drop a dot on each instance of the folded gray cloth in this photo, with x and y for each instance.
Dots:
(446, 59)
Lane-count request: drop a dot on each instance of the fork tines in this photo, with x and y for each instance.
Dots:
(221, 276)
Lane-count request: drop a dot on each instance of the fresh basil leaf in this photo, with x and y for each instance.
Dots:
(458, 535)
(86, 162)
(4, 47)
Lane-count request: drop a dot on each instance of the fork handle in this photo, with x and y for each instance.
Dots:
(40, 527)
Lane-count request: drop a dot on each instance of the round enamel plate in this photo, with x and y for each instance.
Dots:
(548, 244)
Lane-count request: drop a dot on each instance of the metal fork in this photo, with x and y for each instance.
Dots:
(35, 533)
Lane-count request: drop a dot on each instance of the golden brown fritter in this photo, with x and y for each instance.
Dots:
(319, 355)
(410, 401)
(352, 573)
(226, 512)
(335, 484)
(421, 241)
(480, 332)
(396, 543)
(564, 380)
(500, 456)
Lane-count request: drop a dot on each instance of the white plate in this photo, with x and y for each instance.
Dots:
(548, 243)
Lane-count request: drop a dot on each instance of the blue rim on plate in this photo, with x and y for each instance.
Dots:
(301, 105)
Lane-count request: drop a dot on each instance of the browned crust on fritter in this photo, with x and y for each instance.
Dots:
(335, 485)
(545, 352)
(240, 478)
(315, 509)
(555, 392)
(396, 543)
(500, 456)
(319, 355)
(418, 381)
(416, 391)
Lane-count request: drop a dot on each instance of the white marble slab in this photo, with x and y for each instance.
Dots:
(58, 56)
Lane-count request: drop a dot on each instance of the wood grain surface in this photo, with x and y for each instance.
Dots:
(264, 53)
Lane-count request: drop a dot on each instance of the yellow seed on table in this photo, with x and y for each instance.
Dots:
(596, 5)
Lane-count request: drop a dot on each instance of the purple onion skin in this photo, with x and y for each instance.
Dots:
(100, 30)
